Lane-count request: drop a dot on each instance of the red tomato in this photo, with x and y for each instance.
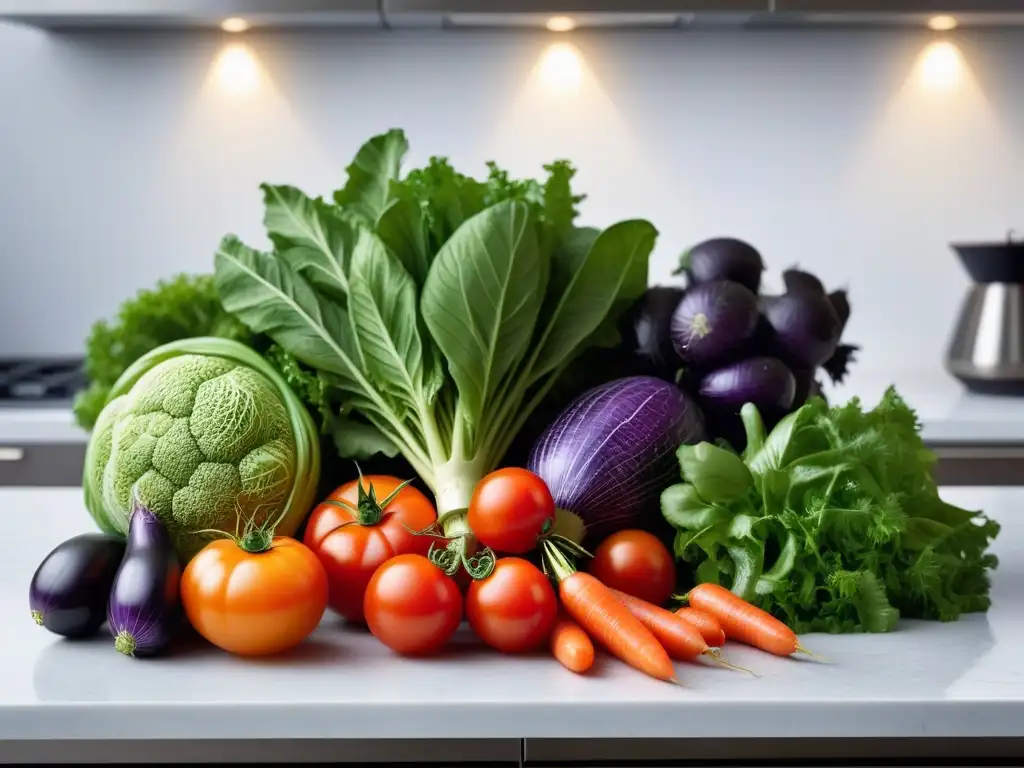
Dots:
(412, 606)
(508, 510)
(637, 563)
(514, 609)
(352, 543)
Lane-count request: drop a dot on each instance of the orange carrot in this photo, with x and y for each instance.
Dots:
(745, 622)
(677, 636)
(571, 646)
(605, 619)
(704, 623)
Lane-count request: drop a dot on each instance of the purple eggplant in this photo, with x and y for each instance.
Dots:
(713, 321)
(144, 610)
(764, 381)
(723, 258)
(807, 328)
(647, 331)
(69, 589)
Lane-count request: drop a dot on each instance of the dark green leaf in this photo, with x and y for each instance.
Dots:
(717, 474)
(481, 300)
(368, 189)
(613, 271)
(266, 295)
(311, 235)
(683, 507)
(383, 309)
(358, 440)
(403, 229)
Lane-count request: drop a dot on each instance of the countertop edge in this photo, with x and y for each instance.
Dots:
(554, 720)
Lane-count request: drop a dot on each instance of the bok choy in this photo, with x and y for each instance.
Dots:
(442, 309)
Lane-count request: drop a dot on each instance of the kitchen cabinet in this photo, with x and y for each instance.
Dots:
(603, 13)
(58, 14)
(41, 464)
(900, 6)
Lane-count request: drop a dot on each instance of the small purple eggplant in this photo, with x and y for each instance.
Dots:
(145, 607)
(69, 589)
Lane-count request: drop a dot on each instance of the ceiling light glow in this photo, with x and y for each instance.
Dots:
(561, 24)
(942, 23)
(234, 24)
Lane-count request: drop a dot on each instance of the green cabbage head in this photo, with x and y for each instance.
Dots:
(211, 437)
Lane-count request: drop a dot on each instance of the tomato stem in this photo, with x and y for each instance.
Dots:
(256, 541)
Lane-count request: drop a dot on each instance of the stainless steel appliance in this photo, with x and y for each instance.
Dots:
(986, 352)
(33, 383)
(39, 442)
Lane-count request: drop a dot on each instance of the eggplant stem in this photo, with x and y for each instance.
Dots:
(125, 643)
(37, 617)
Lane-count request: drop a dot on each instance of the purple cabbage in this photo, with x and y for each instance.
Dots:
(608, 456)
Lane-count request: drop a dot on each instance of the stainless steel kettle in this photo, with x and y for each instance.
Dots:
(986, 352)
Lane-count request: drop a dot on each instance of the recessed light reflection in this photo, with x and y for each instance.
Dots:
(942, 23)
(234, 24)
(561, 24)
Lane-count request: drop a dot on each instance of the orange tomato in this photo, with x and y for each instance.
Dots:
(351, 542)
(254, 604)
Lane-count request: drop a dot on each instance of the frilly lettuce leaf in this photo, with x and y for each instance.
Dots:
(842, 529)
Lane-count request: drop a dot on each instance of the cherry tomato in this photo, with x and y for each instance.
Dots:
(637, 563)
(254, 604)
(514, 609)
(508, 510)
(412, 606)
(352, 541)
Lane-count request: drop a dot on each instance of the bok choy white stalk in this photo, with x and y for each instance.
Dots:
(441, 308)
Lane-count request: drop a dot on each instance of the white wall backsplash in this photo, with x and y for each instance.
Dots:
(122, 159)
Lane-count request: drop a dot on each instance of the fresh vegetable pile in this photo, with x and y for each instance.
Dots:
(469, 341)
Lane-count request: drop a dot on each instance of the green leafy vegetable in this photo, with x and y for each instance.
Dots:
(431, 314)
(182, 307)
(832, 522)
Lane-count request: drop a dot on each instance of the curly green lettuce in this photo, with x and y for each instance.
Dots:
(181, 307)
(832, 522)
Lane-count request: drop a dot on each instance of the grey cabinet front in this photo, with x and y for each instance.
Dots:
(41, 464)
(900, 6)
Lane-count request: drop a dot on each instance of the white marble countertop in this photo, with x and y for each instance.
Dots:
(963, 679)
(26, 426)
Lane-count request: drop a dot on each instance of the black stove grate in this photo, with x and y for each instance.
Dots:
(41, 380)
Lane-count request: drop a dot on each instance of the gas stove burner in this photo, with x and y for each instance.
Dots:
(40, 381)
